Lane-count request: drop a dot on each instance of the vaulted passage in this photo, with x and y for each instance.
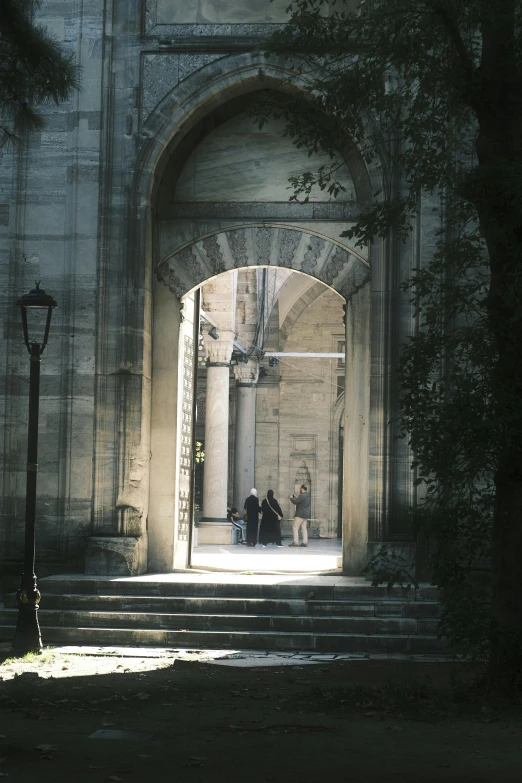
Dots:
(271, 419)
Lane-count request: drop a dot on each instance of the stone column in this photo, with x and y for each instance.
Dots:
(245, 446)
(356, 429)
(213, 527)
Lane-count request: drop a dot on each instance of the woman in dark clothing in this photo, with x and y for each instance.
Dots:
(270, 529)
(252, 509)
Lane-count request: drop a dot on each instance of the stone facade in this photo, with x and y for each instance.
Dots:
(147, 183)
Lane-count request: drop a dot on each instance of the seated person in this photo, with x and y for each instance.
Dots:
(237, 522)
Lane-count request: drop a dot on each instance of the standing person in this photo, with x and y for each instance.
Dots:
(302, 513)
(252, 509)
(270, 528)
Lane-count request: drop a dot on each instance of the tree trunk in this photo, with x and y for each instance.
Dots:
(505, 661)
(500, 221)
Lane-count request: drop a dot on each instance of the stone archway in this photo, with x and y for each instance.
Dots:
(275, 245)
(289, 247)
(142, 312)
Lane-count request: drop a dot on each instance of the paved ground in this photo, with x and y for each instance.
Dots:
(92, 660)
(151, 715)
(235, 578)
(320, 555)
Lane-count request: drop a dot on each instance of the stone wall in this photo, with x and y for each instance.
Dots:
(50, 232)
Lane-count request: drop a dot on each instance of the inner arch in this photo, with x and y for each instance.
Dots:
(300, 250)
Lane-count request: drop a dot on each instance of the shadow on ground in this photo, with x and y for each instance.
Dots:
(357, 721)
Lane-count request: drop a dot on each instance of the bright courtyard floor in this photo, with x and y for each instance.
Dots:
(322, 554)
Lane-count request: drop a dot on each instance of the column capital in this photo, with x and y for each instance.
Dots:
(247, 374)
(218, 351)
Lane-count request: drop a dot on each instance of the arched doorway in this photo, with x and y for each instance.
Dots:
(282, 394)
(200, 239)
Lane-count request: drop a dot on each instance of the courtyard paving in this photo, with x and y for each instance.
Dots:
(321, 554)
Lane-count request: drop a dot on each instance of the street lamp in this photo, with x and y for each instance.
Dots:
(34, 304)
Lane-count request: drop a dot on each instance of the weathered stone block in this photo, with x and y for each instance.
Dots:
(116, 555)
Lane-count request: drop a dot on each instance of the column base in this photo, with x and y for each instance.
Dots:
(214, 531)
(116, 555)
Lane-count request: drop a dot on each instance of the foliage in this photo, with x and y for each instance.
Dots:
(33, 70)
(427, 94)
(391, 567)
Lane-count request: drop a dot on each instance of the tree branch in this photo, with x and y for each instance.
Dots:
(441, 10)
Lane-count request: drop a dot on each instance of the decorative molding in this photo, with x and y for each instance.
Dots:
(288, 242)
(282, 246)
(214, 254)
(304, 444)
(264, 245)
(219, 351)
(162, 71)
(339, 212)
(247, 374)
(238, 248)
(312, 254)
(194, 44)
(336, 263)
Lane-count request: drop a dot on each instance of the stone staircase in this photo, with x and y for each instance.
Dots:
(224, 611)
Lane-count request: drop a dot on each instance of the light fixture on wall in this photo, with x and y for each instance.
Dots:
(273, 361)
(238, 357)
(213, 333)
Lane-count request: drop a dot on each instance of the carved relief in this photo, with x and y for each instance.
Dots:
(162, 72)
(238, 248)
(214, 254)
(188, 260)
(185, 460)
(336, 262)
(264, 244)
(188, 267)
(358, 276)
(167, 276)
(312, 254)
(247, 373)
(218, 351)
(288, 244)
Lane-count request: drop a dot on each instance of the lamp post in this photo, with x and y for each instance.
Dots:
(27, 636)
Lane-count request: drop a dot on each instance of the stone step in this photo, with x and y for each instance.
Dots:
(249, 606)
(208, 587)
(235, 611)
(222, 622)
(240, 640)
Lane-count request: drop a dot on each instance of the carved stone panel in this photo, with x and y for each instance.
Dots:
(185, 462)
(263, 246)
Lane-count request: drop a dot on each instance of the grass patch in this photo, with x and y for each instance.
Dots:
(45, 656)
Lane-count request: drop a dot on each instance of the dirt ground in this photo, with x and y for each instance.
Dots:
(354, 721)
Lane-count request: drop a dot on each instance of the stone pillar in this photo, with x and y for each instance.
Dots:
(245, 446)
(356, 429)
(213, 527)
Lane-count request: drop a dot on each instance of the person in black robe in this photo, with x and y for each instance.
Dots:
(270, 528)
(252, 509)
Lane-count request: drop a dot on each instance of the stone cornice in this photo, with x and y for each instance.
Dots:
(210, 44)
(271, 210)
